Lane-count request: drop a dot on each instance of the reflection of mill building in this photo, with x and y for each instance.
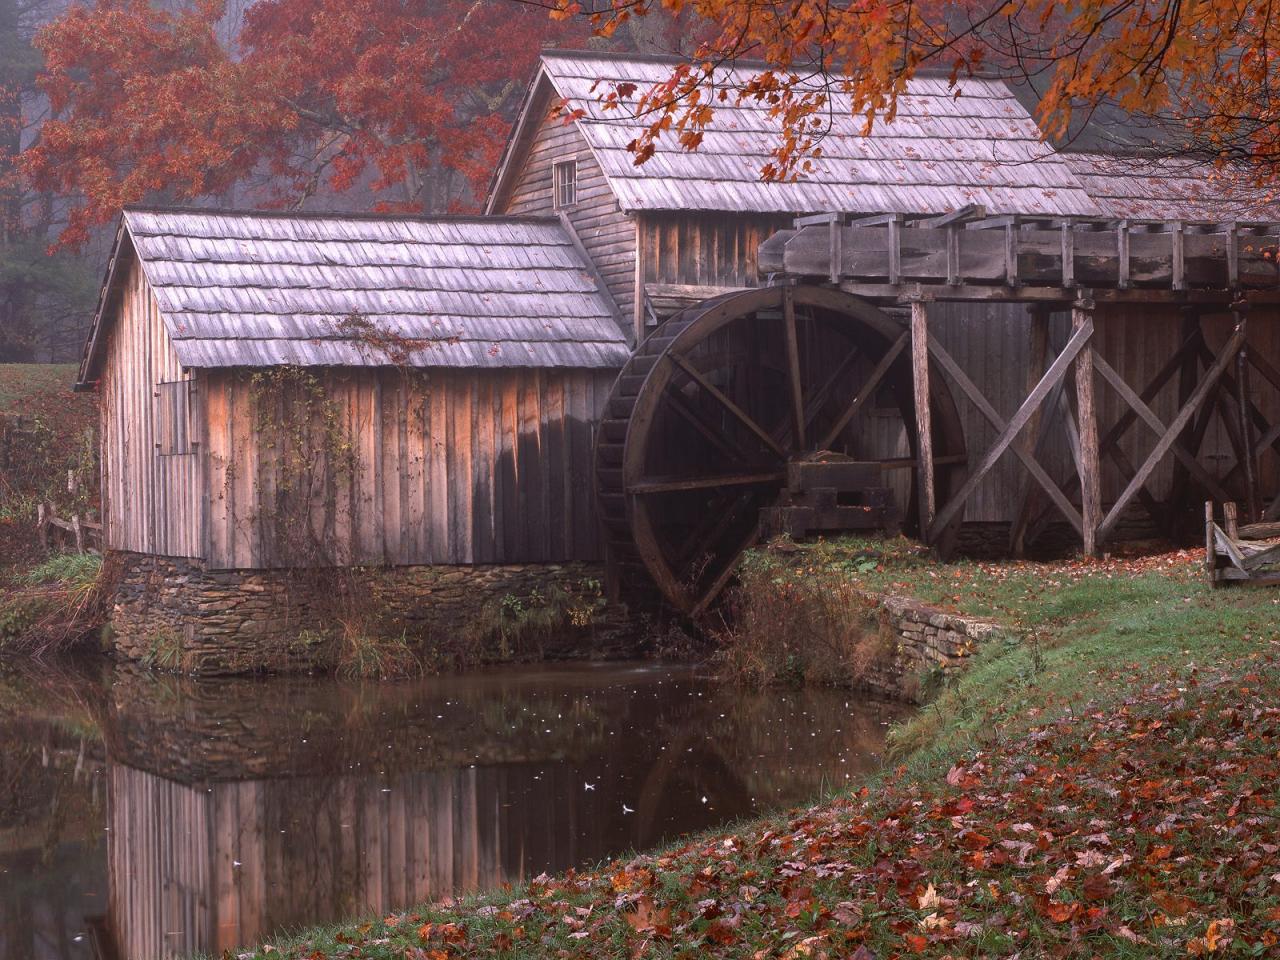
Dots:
(468, 362)
(230, 821)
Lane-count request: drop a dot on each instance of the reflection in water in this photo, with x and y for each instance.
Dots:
(237, 808)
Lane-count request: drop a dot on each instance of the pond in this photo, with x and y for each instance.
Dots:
(144, 817)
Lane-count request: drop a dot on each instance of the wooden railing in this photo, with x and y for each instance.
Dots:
(80, 533)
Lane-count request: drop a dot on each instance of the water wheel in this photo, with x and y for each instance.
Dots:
(727, 407)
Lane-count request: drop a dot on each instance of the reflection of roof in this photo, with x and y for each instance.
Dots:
(254, 289)
(941, 153)
(1170, 189)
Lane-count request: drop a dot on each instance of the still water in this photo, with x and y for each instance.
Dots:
(144, 817)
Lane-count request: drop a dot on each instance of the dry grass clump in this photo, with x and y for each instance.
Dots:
(798, 623)
(53, 606)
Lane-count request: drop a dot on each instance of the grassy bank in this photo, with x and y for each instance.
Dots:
(53, 605)
(1103, 782)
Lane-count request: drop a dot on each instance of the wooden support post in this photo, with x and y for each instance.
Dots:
(1210, 553)
(1090, 473)
(924, 421)
(793, 364)
(1230, 520)
(1248, 457)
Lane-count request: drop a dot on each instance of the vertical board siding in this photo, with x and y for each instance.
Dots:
(606, 232)
(705, 248)
(152, 501)
(454, 467)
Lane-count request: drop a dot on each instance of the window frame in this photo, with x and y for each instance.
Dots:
(558, 201)
(172, 420)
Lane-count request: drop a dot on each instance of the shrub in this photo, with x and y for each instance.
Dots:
(799, 623)
(516, 625)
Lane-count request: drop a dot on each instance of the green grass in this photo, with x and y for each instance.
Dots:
(1103, 781)
(73, 569)
(21, 382)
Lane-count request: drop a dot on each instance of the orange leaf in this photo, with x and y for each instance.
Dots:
(1174, 904)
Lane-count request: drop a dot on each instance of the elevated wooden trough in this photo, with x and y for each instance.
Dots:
(969, 256)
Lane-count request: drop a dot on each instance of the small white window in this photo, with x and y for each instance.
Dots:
(564, 177)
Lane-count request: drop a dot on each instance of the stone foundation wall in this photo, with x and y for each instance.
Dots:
(174, 614)
(922, 642)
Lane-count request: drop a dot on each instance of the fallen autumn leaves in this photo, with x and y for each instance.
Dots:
(1147, 830)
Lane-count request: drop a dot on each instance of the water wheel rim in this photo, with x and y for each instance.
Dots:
(701, 322)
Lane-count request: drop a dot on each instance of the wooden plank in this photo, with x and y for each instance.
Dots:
(532, 475)
(483, 469)
(924, 421)
(1090, 471)
(1171, 434)
(1038, 354)
(1057, 370)
(559, 484)
(438, 468)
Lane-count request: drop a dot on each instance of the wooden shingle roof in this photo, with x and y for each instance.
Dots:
(941, 153)
(241, 289)
(1171, 188)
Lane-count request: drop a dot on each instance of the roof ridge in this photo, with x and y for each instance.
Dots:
(676, 58)
(342, 215)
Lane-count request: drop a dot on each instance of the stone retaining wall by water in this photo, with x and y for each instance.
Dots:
(174, 613)
(922, 641)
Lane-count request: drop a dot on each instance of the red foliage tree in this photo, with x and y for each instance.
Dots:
(408, 99)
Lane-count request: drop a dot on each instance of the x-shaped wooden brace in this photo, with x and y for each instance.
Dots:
(1169, 436)
(1269, 432)
(1009, 430)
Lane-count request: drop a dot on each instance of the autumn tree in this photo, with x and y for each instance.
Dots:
(1198, 76)
(407, 100)
(43, 299)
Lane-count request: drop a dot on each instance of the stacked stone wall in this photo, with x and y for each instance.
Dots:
(923, 642)
(174, 613)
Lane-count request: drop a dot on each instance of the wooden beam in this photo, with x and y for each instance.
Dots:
(1008, 431)
(681, 484)
(1148, 416)
(865, 393)
(1090, 470)
(1171, 434)
(793, 364)
(712, 390)
(924, 424)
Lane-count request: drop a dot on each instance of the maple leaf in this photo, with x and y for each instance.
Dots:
(1174, 904)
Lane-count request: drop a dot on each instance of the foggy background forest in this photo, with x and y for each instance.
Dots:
(49, 275)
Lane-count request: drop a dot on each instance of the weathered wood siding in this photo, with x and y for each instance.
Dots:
(607, 234)
(712, 249)
(458, 467)
(151, 501)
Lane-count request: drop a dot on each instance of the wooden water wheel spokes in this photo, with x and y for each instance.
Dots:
(728, 402)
